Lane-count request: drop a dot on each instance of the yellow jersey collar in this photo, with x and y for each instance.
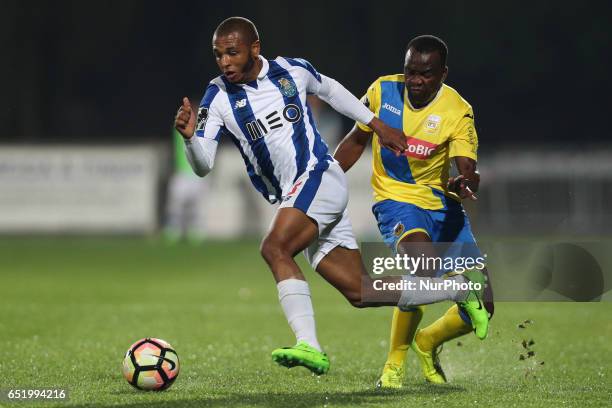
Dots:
(407, 99)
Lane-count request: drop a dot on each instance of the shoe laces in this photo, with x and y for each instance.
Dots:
(397, 370)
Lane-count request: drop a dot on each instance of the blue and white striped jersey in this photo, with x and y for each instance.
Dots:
(270, 122)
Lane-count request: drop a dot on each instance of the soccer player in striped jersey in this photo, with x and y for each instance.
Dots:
(416, 201)
(260, 105)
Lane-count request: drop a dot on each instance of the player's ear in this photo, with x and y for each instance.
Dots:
(255, 48)
(445, 73)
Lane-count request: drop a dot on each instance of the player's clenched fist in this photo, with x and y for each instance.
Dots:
(391, 138)
(185, 119)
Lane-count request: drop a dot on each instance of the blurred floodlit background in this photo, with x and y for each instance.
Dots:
(90, 90)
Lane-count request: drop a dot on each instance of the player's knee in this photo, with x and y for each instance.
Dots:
(271, 249)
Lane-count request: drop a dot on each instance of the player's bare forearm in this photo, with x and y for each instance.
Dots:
(351, 147)
(465, 185)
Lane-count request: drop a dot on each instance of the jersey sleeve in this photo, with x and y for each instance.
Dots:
(371, 99)
(201, 148)
(312, 77)
(209, 123)
(464, 140)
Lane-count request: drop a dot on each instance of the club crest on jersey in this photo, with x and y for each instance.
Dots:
(432, 123)
(287, 87)
(202, 116)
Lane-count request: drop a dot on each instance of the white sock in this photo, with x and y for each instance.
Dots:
(411, 298)
(294, 297)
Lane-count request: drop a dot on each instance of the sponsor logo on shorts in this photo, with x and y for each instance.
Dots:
(398, 230)
(294, 189)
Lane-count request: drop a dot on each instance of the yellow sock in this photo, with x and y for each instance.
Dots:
(446, 328)
(403, 328)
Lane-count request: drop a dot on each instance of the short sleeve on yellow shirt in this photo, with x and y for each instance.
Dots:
(464, 140)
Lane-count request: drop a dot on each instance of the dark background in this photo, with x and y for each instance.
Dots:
(535, 72)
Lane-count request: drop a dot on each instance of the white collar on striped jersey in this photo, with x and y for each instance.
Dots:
(265, 66)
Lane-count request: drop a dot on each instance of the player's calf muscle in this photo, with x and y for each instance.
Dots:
(344, 270)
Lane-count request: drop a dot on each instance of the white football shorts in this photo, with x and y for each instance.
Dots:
(322, 194)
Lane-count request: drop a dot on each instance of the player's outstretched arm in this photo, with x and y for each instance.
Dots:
(351, 147)
(389, 137)
(185, 119)
(344, 102)
(467, 182)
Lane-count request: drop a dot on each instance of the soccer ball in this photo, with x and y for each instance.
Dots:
(151, 364)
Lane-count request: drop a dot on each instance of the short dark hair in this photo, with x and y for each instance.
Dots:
(429, 43)
(241, 25)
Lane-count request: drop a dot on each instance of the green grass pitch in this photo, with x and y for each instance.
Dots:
(70, 307)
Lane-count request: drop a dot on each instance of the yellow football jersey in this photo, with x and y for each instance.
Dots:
(437, 132)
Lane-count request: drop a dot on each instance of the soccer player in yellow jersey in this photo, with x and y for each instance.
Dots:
(416, 201)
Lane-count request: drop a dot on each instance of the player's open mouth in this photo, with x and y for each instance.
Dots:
(231, 75)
